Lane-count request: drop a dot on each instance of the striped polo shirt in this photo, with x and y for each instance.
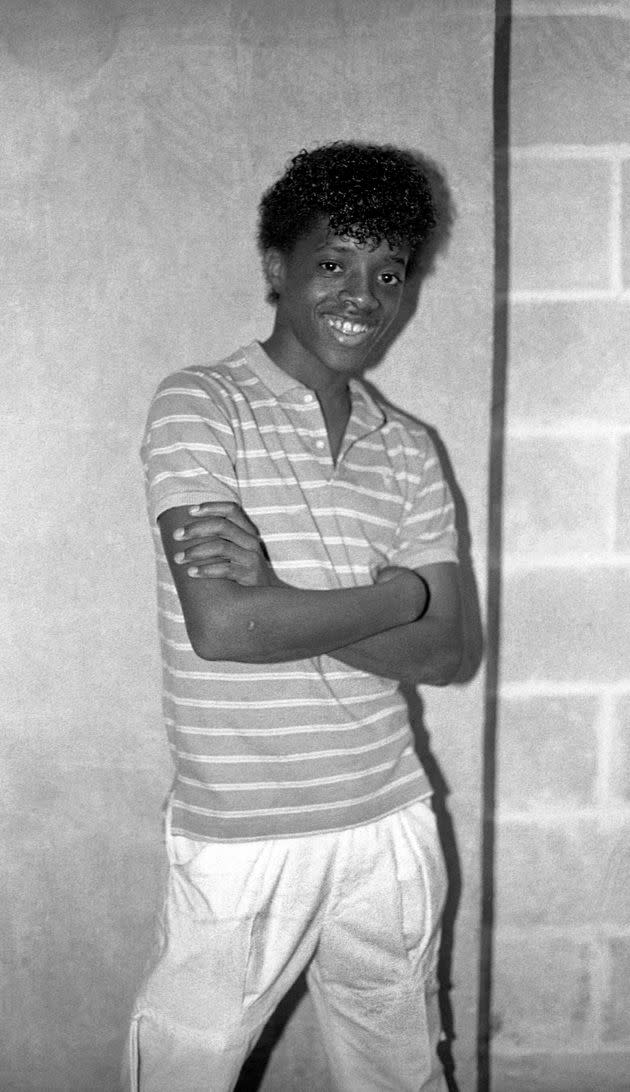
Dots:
(311, 745)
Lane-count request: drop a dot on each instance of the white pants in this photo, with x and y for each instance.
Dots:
(360, 909)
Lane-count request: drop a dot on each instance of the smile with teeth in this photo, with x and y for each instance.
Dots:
(346, 327)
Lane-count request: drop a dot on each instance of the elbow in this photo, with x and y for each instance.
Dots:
(223, 620)
(202, 646)
(208, 648)
(449, 662)
(229, 635)
(222, 638)
(439, 671)
(443, 667)
(218, 646)
(446, 671)
(202, 643)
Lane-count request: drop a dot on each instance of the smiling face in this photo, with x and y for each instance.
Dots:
(335, 300)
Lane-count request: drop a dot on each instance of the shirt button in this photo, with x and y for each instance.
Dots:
(308, 397)
(320, 444)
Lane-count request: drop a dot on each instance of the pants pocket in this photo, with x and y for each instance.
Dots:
(422, 880)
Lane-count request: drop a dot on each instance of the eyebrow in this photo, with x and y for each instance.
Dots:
(344, 248)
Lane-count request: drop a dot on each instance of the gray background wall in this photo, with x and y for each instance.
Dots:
(136, 139)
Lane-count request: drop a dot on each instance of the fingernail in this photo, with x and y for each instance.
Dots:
(179, 558)
(194, 571)
(179, 533)
(195, 510)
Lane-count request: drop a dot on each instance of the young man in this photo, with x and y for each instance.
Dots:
(306, 565)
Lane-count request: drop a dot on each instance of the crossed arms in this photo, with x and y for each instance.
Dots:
(405, 626)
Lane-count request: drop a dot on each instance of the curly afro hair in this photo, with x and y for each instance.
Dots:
(367, 191)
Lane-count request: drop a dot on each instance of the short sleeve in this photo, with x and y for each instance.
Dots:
(426, 534)
(188, 446)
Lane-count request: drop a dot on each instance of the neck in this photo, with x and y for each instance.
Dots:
(328, 385)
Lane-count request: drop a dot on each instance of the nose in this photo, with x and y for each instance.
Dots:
(358, 291)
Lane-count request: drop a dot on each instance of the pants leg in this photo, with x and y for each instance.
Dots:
(239, 924)
(373, 977)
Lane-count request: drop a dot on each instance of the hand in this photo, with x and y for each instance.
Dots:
(224, 544)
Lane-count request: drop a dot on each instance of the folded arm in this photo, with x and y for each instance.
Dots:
(236, 608)
(426, 651)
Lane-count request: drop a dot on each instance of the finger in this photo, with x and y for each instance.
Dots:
(219, 527)
(212, 550)
(209, 508)
(216, 524)
(218, 570)
(228, 509)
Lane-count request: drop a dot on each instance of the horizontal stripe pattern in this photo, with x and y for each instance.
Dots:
(273, 750)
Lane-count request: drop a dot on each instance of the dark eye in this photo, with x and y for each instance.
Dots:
(391, 278)
(329, 266)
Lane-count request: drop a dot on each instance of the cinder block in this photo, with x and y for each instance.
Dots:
(560, 874)
(569, 80)
(566, 624)
(560, 224)
(623, 495)
(547, 751)
(617, 1005)
(620, 772)
(625, 222)
(614, 871)
(559, 494)
(575, 1071)
(543, 989)
(570, 360)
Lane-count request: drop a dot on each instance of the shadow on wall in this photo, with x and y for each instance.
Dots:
(494, 592)
(254, 1070)
(474, 647)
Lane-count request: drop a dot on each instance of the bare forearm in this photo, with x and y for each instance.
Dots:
(427, 652)
(404, 626)
(271, 624)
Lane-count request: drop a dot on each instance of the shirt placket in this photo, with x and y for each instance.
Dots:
(360, 424)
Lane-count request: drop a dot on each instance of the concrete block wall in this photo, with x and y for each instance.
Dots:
(561, 998)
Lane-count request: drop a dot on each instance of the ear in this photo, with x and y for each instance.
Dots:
(274, 265)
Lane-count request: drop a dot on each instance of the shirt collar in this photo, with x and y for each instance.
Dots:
(364, 407)
(273, 377)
